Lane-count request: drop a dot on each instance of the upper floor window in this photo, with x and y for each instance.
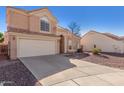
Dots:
(44, 25)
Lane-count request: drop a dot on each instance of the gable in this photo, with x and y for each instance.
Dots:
(100, 35)
(44, 12)
(65, 32)
(16, 10)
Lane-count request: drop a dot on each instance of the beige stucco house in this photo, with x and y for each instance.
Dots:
(36, 33)
(105, 41)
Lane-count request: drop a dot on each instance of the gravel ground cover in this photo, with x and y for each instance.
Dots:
(14, 73)
(107, 59)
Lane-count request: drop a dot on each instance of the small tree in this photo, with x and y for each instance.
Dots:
(74, 28)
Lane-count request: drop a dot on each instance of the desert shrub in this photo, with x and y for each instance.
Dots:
(96, 50)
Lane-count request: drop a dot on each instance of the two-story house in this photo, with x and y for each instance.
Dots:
(36, 33)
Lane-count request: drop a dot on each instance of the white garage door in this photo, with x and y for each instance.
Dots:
(27, 48)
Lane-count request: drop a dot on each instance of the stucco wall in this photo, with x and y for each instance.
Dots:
(12, 47)
(31, 22)
(69, 37)
(17, 20)
(14, 37)
(34, 23)
(103, 42)
(75, 42)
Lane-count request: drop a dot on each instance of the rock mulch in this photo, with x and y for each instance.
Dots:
(107, 59)
(14, 73)
(114, 60)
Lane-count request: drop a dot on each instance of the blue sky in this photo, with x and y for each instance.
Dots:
(99, 18)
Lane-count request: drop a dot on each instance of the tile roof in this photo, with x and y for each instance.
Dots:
(110, 35)
(113, 36)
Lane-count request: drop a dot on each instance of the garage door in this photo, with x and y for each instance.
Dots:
(27, 48)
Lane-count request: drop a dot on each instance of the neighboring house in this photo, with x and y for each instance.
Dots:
(105, 41)
(36, 33)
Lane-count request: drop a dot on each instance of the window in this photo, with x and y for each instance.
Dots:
(44, 25)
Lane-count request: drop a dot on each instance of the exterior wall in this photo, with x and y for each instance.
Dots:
(6, 38)
(31, 22)
(34, 23)
(13, 39)
(58, 46)
(103, 42)
(69, 37)
(65, 34)
(12, 47)
(45, 13)
(75, 42)
(53, 27)
(17, 19)
(66, 44)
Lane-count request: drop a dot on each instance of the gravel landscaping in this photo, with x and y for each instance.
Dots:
(14, 73)
(107, 59)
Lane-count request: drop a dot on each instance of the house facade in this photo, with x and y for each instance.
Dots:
(105, 41)
(71, 42)
(36, 33)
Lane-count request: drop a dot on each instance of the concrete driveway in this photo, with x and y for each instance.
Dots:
(58, 70)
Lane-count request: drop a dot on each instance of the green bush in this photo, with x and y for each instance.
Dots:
(1, 37)
(1, 40)
(96, 50)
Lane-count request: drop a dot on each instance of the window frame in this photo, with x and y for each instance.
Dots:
(46, 21)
